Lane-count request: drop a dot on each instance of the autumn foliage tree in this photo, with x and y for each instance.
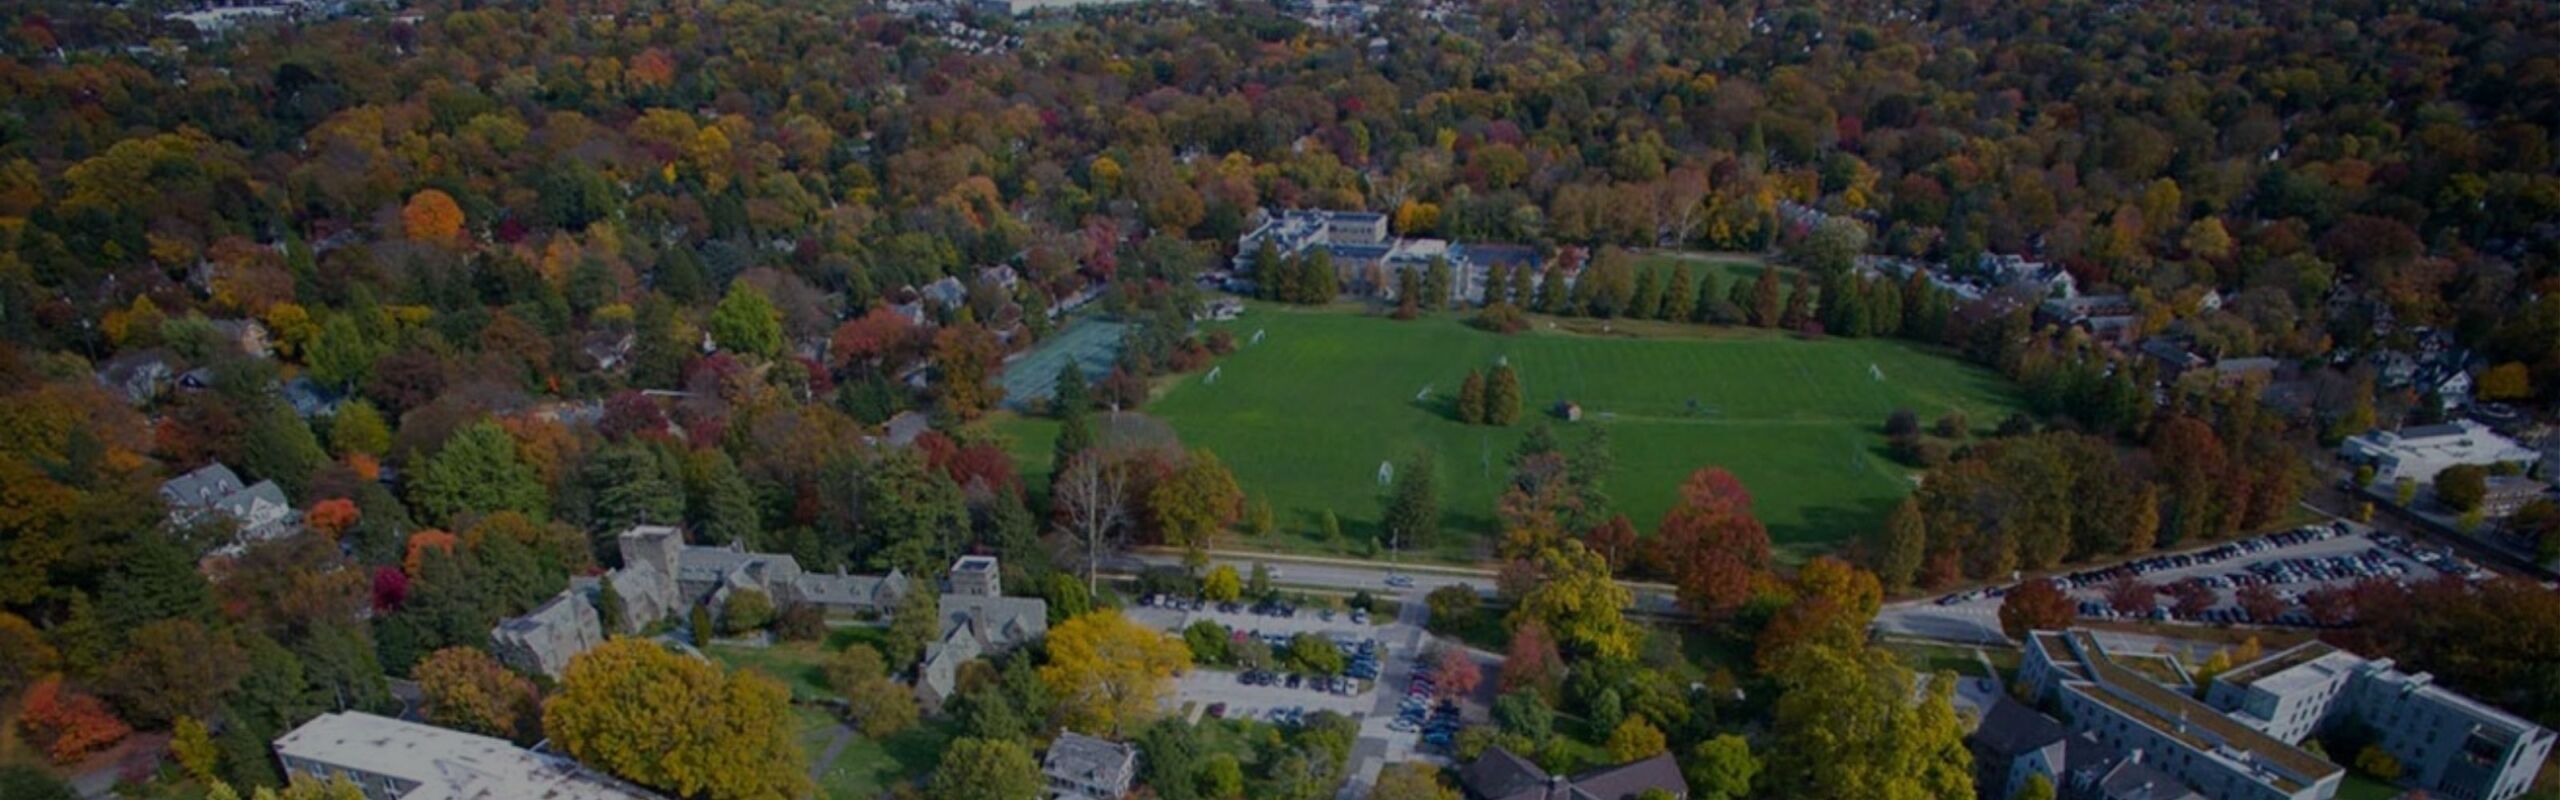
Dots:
(677, 723)
(467, 690)
(2035, 605)
(331, 517)
(2259, 601)
(2131, 596)
(1456, 673)
(1531, 661)
(1714, 546)
(432, 216)
(1108, 673)
(966, 358)
(68, 724)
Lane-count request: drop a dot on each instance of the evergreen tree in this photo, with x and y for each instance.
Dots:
(155, 580)
(611, 613)
(1552, 293)
(718, 502)
(1519, 290)
(1409, 293)
(1072, 397)
(1743, 297)
(281, 448)
(1270, 271)
(1763, 299)
(1710, 293)
(1319, 284)
(1075, 436)
(1471, 399)
(1502, 396)
(1799, 310)
(1646, 302)
(1411, 517)
(1680, 298)
(1436, 284)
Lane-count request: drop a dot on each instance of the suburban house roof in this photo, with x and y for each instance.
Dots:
(1087, 761)
(1503, 775)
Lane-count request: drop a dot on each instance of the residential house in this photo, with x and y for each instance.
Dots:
(901, 430)
(139, 376)
(392, 759)
(2108, 318)
(260, 510)
(309, 398)
(1080, 767)
(246, 334)
(1500, 774)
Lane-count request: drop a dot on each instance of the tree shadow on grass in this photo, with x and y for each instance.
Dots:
(1830, 528)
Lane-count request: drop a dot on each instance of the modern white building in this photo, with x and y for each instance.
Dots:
(2446, 743)
(395, 760)
(2167, 730)
(2421, 452)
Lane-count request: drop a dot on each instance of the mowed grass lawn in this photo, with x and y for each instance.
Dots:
(1305, 417)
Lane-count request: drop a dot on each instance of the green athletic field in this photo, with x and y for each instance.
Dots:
(1306, 416)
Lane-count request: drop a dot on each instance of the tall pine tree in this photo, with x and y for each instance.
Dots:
(1471, 399)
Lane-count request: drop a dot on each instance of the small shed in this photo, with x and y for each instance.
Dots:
(1569, 410)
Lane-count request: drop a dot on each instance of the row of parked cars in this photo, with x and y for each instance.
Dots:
(2226, 551)
(1422, 711)
(2372, 563)
(1265, 608)
(1322, 683)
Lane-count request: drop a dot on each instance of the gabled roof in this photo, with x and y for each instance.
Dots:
(1503, 775)
(203, 487)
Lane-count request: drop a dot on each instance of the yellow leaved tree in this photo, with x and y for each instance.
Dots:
(679, 724)
(1109, 673)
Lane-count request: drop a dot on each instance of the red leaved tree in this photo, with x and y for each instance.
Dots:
(1713, 546)
(69, 724)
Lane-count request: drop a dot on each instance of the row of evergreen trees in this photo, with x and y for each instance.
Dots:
(1490, 402)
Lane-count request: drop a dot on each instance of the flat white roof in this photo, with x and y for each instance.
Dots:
(447, 764)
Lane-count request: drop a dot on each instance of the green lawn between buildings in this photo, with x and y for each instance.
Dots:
(1306, 416)
(865, 768)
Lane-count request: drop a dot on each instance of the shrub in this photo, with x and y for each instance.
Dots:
(746, 610)
(802, 622)
(1502, 318)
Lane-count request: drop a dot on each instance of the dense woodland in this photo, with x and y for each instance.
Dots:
(489, 227)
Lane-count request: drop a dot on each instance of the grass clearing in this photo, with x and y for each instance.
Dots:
(1931, 658)
(800, 666)
(867, 768)
(2358, 787)
(1306, 417)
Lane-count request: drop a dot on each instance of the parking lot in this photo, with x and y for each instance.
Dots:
(2291, 563)
(1377, 700)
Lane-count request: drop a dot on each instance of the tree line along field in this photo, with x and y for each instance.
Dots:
(1306, 416)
